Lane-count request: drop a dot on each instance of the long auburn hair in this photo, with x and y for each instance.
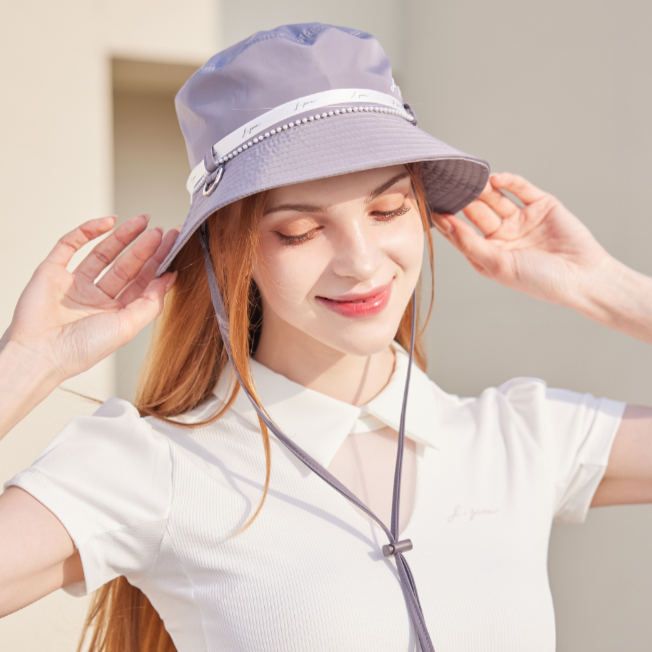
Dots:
(185, 357)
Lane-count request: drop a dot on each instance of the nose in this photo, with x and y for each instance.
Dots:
(357, 253)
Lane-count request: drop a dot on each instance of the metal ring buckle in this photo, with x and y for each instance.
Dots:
(410, 110)
(210, 186)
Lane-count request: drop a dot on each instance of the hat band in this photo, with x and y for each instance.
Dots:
(249, 134)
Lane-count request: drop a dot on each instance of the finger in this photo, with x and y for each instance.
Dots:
(146, 307)
(442, 222)
(147, 274)
(129, 264)
(496, 200)
(481, 253)
(483, 217)
(104, 253)
(71, 242)
(518, 186)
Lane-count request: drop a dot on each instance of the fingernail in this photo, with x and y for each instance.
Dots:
(146, 216)
(160, 229)
(443, 225)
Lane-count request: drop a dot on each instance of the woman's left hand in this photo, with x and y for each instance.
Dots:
(540, 249)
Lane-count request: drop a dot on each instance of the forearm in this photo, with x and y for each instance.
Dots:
(25, 381)
(618, 297)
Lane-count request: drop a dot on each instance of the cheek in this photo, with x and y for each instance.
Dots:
(405, 245)
(286, 275)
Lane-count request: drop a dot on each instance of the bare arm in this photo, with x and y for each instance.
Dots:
(64, 323)
(37, 556)
(621, 298)
(628, 478)
(543, 250)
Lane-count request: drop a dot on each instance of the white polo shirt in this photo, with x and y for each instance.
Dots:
(158, 504)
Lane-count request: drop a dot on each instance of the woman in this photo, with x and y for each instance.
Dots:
(310, 207)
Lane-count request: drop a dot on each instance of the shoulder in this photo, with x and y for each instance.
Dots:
(521, 398)
(532, 398)
(116, 420)
(513, 410)
(119, 424)
(92, 446)
(528, 406)
(519, 394)
(118, 417)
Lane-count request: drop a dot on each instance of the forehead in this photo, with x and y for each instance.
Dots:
(334, 190)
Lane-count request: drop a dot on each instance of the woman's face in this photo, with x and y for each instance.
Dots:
(339, 259)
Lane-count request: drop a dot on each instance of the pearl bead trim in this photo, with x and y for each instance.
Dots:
(209, 187)
(312, 118)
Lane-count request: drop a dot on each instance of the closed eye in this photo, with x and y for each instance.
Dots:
(297, 239)
(381, 216)
(387, 217)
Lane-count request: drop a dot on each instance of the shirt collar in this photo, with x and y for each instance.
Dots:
(319, 424)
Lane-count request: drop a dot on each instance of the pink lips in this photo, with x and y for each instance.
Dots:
(366, 305)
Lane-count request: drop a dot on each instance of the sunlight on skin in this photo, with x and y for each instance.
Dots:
(330, 239)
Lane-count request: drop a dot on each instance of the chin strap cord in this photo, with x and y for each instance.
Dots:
(394, 548)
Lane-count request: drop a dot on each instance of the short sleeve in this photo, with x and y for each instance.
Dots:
(576, 431)
(107, 478)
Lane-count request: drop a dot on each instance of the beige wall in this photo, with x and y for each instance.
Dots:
(559, 92)
(543, 89)
(56, 171)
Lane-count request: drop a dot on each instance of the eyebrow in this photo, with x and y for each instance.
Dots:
(311, 208)
(386, 186)
(301, 208)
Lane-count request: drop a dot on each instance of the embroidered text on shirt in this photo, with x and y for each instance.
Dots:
(469, 512)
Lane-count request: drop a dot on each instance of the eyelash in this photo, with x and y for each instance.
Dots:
(298, 239)
(388, 217)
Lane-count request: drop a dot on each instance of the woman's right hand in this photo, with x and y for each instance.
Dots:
(72, 322)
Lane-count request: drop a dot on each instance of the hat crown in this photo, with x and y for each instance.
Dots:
(271, 68)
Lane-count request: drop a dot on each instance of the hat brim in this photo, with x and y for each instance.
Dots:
(339, 145)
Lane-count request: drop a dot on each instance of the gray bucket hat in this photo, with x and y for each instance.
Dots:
(303, 102)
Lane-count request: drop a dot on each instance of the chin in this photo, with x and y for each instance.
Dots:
(361, 340)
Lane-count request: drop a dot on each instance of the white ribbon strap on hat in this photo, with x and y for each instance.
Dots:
(255, 130)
